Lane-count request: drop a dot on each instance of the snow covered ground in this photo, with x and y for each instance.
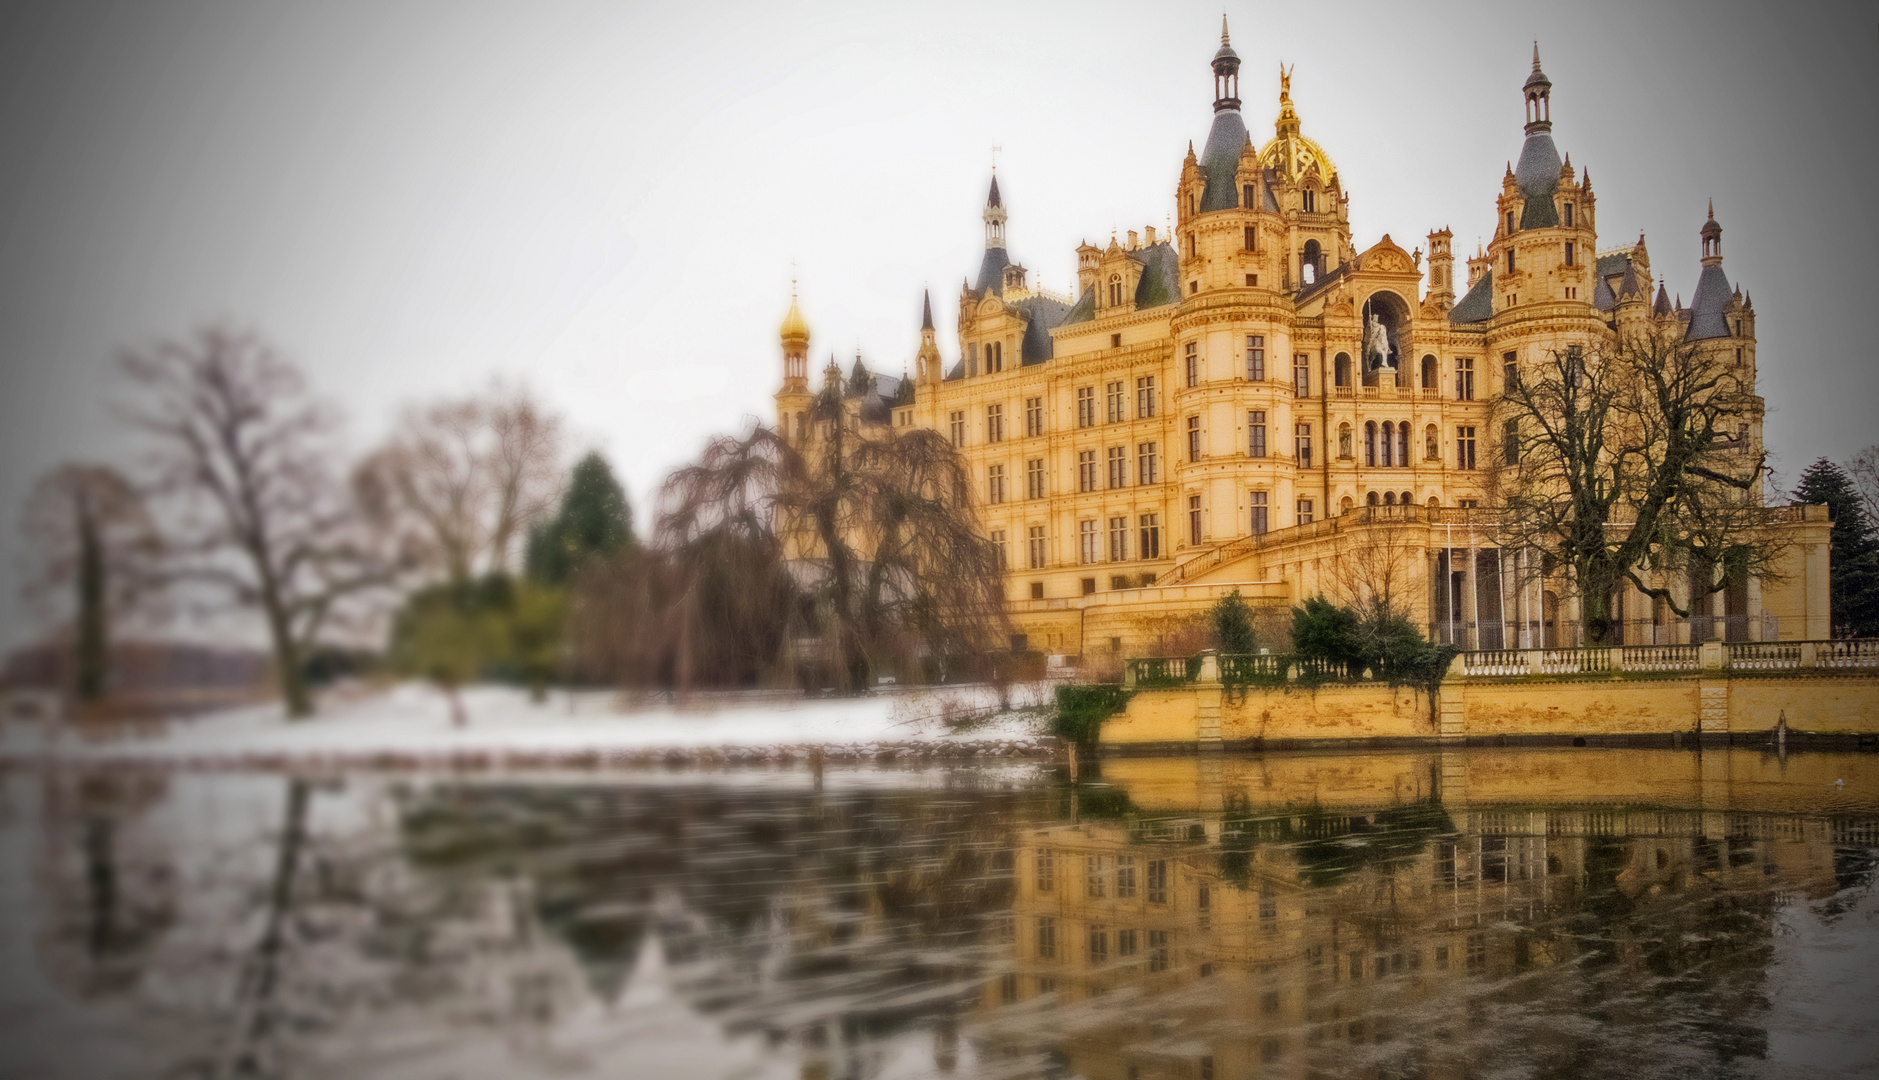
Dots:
(410, 724)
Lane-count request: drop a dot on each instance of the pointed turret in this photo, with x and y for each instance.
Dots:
(1220, 158)
(1713, 292)
(1539, 171)
(1661, 308)
(927, 360)
(992, 267)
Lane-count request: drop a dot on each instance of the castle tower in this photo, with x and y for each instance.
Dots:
(927, 363)
(1221, 158)
(1441, 269)
(992, 268)
(1709, 308)
(793, 400)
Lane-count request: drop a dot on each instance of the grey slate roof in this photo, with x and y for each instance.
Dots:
(956, 372)
(1161, 275)
(1708, 305)
(1306, 291)
(1662, 306)
(1628, 285)
(1084, 310)
(1043, 314)
(926, 312)
(1612, 265)
(992, 199)
(1221, 161)
(1538, 177)
(1478, 305)
(992, 270)
(1602, 297)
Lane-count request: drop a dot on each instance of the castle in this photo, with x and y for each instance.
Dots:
(1253, 403)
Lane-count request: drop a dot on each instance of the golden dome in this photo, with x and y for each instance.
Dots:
(795, 330)
(1293, 156)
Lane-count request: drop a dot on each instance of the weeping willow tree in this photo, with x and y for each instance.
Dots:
(850, 550)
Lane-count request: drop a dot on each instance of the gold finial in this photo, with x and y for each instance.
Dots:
(1285, 82)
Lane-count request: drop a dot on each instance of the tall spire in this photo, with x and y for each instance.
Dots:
(1538, 91)
(994, 217)
(926, 315)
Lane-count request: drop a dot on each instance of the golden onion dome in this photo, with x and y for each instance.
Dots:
(795, 330)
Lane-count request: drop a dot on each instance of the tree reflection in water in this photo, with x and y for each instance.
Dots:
(1369, 915)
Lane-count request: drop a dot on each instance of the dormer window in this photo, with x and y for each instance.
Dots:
(1193, 204)
(1310, 200)
(1510, 223)
(1247, 194)
(1115, 290)
(1566, 216)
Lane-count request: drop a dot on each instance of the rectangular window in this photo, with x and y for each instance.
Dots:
(1034, 478)
(1086, 470)
(1255, 358)
(1115, 398)
(994, 423)
(1008, 988)
(1203, 900)
(1193, 363)
(994, 357)
(1033, 417)
(1150, 541)
(1568, 253)
(1126, 942)
(1095, 881)
(1477, 951)
(1510, 256)
(1125, 877)
(1193, 519)
(1035, 540)
(972, 358)
(1145, 397)
(957, 420)
(1193, 438)
(1256, 433)
(1046, 870)
(1260, 520)
(1118, 466)
(1148, 465)
(1568, 221)
(1119, 538)
(1510, 372)
(1157, 881)
(1086, 406)
(1304, 510)
(995, 484)
(1088, 544)
(1252, 234)
(1464, 448)
(1510, 441)
(1047, 937)
(1301, 375)
(1301, 445)
(1464, 378)
(1157, 950)
(1099, 945)
(998, 541)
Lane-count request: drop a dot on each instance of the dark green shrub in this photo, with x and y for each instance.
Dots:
(1081, 711)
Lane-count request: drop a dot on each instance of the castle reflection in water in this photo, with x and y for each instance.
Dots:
(1519, 911)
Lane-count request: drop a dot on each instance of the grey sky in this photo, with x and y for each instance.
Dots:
(603, 200)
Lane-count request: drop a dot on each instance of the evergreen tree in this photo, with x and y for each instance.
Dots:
(594, 519)
(1233, 626)
(1853, 578)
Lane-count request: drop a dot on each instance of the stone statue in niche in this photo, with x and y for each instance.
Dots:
(1377, 345)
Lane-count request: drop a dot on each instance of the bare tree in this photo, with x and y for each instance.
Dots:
(1372, 571)
(1631, 463)
(246, 455)
(1864, 471)
(463, 479)
(93, 552)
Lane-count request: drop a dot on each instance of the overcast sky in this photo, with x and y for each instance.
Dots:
(605, 200)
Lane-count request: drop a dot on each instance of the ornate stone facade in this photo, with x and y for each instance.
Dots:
(1204, 413)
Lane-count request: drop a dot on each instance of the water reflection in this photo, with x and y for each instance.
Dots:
(1508, 912)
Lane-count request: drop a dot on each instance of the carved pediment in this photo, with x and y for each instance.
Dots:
(1385, 257)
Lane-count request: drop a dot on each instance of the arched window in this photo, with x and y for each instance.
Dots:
(1389, 498)
(1370, 442)
(1371, 498)
(1405, 498)
(1434, 502)
(1402, 443)
(1346, 505)
(1312, 256)
(1389, 440)
(1430, 374)
(1431, 444)
(1310, 200)
(1341, 369)
(1344, 441)
(1115, 290)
